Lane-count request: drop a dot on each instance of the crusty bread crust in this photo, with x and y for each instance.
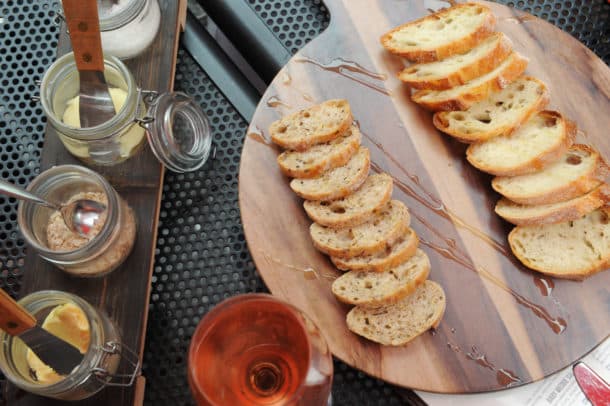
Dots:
(379, 288)
(575, 274)
(343, 181)
(375, 318)
(472, 94)
(440, 122)
(542, 160)
(338, 155)
(366, 238)
(349, 218)
(381, 263)
(292, 131)
(554, 213)
(453, 46)
(570, 190)
(476, 68)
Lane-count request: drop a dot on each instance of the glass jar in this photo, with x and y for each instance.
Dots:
(98, 367)
(106, 250)
(128, 27)
(177, 129)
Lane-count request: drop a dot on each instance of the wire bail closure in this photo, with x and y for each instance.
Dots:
(148, 97)
(122, 380)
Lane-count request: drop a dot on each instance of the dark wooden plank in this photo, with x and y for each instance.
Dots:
(124, 294)
(504, 325)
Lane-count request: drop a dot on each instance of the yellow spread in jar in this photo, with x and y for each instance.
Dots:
(69, 323)
(129, 140)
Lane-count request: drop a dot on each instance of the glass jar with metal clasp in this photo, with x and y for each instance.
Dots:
(104, 359)
(177, 130)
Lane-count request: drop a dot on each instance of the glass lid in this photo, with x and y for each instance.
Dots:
(179, 133)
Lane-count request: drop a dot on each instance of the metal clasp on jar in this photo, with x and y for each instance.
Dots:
(127, 354)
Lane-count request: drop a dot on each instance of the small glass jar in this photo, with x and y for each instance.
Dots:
(98, 367)
(177, 129)
(106, 250)
(128, 27)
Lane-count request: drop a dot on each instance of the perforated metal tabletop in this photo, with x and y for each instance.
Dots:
(201, 256)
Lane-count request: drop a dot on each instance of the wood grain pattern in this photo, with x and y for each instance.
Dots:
(123, 294)
(14, 319)
(84, 27)
(505, 325)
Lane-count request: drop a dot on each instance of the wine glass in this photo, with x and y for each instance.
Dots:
(254, 349)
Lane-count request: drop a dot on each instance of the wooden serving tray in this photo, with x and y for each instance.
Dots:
(504, 325)
(124, 293)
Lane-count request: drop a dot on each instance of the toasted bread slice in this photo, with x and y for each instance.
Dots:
(354, 208)
(572, 249)
(398, 323)
(580, 170)
(336, 183)
(500, 113)
(404, 247)
(383, 229)
(322, 157)
(379, 288)
(542, 140)
(447, 32)
(572, 209)
(314, 125)
(464, 96)
(460, 68)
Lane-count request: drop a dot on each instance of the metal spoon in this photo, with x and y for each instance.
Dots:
(95, 104)
(80, 216)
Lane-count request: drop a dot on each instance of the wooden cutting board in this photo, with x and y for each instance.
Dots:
(504, 325)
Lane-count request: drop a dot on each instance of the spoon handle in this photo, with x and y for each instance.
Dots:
(18, 193)
(14, 319)
(84, 26)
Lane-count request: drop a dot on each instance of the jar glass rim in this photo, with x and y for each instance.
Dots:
(79, 254)
(109, 22)
(83, 370)
(121, 120)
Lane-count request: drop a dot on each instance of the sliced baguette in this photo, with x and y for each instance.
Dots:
(572, 209)
(383, 229)
(379, 288)
(572, 249)
(542, 140)
(398, 323)
(580, 170)
(315, 125)
(322, 157)
(404, 247)
(500, 113)
(464, 96)
(355, 208)
(336, 183)
(460, 68)
(447, 32)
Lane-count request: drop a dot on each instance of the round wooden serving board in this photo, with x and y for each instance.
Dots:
(504, 325)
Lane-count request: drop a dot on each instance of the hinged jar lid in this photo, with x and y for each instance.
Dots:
(178, 131)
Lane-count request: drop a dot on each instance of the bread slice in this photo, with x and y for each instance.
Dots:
(500, 113)
(572, 209)
(460, 68)
(338, 182)
(379, 288)
(404, 247)
(383, 229)
(322, 157)
(572, 249)
(447, 32)
(398, 323)
(315, 125)
(542, 140)
(464, 96)
(580, 170)
(354, 208)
